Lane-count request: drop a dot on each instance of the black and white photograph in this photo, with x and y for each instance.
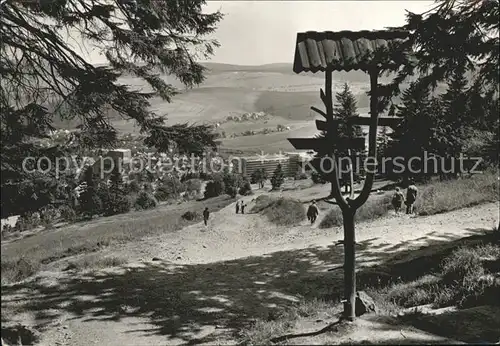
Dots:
(198, 172)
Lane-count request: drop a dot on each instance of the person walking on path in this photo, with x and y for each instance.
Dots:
(397, 200)
(243, 208)
(206, 215)
(411, 197)
(237, 207)
(312, 212)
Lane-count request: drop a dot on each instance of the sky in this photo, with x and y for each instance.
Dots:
(263, 32)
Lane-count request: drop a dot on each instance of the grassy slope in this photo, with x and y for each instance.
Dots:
(433, 198)
(24, 257)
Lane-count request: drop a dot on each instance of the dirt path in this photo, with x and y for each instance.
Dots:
(189, 297)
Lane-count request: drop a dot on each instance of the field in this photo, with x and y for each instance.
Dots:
(234, 90)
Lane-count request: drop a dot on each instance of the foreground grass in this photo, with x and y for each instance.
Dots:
(263, 331)
(460, 273)
(443, 196)
(433, 198)
(280, 211)
(374, 208)
(24, 257)
(466, 278)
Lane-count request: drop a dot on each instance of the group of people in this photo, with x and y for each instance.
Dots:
(240, 206)
(411, 196)
(398, 200)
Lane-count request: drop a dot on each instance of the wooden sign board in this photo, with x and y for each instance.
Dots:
(382, 121)
(325, 167)
(322, 145)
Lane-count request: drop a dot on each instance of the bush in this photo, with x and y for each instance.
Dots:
(261, 203)
(449, 195)
(145, 201)
(301, 176)
(14, 271)
(133, 187)
(190, 216)
(232, 191)
(147, 187)
(67, 213)
(27, 221)
(169, 188)
(117, 203)
(278, 178)
(317, 178)
(465, 278)
(372, 209)
(259, 176)
(193, 187)
(215, 187)
(232, 183)
(48, 215)
(90, 202)
(282, 211)
(245, 189)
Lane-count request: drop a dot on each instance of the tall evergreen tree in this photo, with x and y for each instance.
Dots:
(456, 116)
(89, 200)
(278, 177)
(345, 107)
(139, 38)
(421, 128)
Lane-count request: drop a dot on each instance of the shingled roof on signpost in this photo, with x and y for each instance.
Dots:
(348, 50)
(369, 51)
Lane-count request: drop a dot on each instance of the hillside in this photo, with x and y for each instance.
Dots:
(231, 90)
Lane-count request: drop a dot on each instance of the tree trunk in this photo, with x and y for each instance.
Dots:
(349, 265)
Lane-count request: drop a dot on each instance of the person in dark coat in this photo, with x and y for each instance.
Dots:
(206, 215)
(397, 200)
(237, 207)
(243, 208)
(411, 197)
(312, 212)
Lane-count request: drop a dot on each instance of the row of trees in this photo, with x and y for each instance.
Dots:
(458, 121)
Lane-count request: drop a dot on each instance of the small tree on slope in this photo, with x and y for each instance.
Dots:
(278, 178)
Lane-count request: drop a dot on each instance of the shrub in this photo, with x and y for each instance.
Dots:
(169, 188)
(48, 215)
(193, 186)
(317, 178)
(215, 187)
(282, 211)
(449, 195)
(261, 203)
(245, 189)
(301, 176)
(67, 213)
(190, 216)
(13, 271)
(278, 178)
(372, 209)
(232, 183)
(191, 175)
(27, 221)
(259, 176)
(145, 201)
(147, 187)
(117, 203)
(90, 199)
(133, 187)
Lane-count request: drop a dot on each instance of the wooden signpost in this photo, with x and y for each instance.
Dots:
(321, 52)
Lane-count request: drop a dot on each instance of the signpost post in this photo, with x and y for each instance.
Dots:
(329, 51)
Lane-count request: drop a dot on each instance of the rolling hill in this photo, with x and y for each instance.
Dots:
(234, 90)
